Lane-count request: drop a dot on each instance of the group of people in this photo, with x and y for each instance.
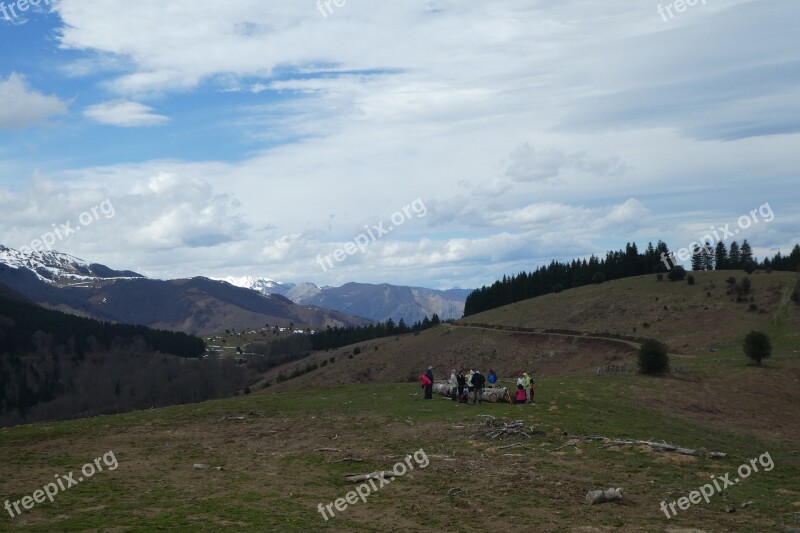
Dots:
(468, 387)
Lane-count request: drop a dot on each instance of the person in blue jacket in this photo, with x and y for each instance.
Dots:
(492, 377)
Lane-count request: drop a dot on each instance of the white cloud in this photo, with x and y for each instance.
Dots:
(528, 164)
(22, 107)
(531, 129)
(124, 113)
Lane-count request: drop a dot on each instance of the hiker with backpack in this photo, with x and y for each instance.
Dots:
(477, 383)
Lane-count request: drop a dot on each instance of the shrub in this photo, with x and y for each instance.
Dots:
(332, 360)
(247, 390)
(753, 307)
(659, 277)
(357, 350)
(690, 279)
(731, 280)
(757, 346)
(598, 277)
(323, 364)
(558, 288)
(677, 273)
(749, 267)
(746, 285)
(653, 358)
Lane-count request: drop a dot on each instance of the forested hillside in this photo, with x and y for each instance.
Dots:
(54, 365)
(558, 276)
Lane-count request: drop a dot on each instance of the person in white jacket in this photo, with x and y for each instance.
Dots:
(453, 384)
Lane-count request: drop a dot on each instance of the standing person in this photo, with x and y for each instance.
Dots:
(533, 382)
(470, 386)
(426, 382)
(477, 384)
(492, 377)
(453, 384)
(520, 397)
(429, 386)
(526, 382)
(462, 383)
(520, 380)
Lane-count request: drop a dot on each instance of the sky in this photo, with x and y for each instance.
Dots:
(436, 143)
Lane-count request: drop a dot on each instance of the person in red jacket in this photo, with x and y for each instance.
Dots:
(427, 383)
(521, 397)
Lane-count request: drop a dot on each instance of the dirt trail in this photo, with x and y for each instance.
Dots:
(541, 331)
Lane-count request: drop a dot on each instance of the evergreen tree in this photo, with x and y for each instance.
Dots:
(708, 256)
(734, 256)
(698, 262)
(721, 256)
(747, 253)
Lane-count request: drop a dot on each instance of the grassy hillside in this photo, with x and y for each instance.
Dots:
(689, 318)
(284, 450)
(274, 473)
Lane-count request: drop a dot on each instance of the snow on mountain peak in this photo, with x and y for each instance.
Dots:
(262, 285)
(50, 265)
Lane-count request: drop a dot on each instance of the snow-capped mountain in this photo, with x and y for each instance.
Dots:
(197, 305)
(52, 266)
(262, 285)
(375, 302)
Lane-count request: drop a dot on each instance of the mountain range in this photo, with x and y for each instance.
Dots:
(197, 305)
(375, 302)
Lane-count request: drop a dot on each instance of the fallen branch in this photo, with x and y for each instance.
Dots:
(662, 446)
(355, 478)
(351, 459)
(514, 446)
(561, 447)
(493, 429)
(327, 450)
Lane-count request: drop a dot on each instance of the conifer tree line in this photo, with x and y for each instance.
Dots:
(78, 335)
(558, 276)
(331, 338)
(55, 366)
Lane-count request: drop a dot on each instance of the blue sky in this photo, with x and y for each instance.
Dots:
(255, 137)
